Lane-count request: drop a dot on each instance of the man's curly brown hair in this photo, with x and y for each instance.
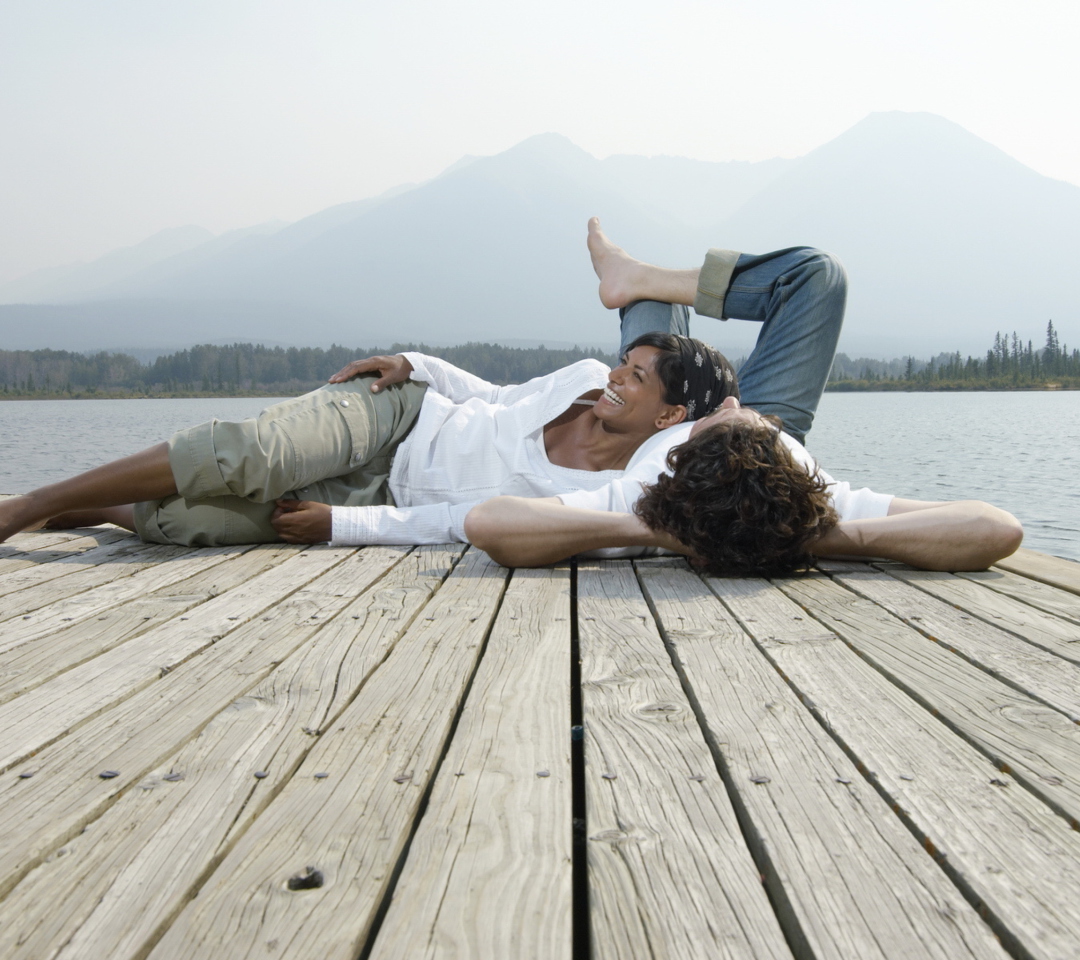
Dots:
(739, 500)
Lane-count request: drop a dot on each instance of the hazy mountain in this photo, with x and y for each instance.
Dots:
(163, 253)
(77, 280)
(946, 239)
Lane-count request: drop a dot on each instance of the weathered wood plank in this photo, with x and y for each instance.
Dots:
(42, 585)
(121, 882)
(1058, 636)
(50, 654)
(31, 574)
(33, 549)
(1018, 859)
(38, 717)
(489, 870)
(1030, 669)
(352, 825)
(65, 793)
(1060, 573)
(178, 563)
(1036, 744)
(669, 871)
(845, 875)
(1032, 592)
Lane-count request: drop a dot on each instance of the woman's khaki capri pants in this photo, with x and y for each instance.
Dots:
(334, 445)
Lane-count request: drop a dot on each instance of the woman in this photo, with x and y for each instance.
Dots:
(423, 436)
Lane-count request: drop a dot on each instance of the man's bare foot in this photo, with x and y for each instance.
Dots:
(619, 273)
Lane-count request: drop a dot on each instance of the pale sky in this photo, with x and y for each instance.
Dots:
(119, 118)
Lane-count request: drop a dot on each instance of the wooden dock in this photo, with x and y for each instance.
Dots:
(392, 753)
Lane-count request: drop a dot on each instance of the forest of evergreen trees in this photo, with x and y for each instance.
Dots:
(1009, 364)
(243, 369)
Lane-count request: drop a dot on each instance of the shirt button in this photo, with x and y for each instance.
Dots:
(344, 403)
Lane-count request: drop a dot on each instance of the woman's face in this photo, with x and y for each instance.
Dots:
(633, 400)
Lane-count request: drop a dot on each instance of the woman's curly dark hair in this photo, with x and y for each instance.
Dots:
(739, 500)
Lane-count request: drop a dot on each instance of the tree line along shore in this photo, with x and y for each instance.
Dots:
(244, 369)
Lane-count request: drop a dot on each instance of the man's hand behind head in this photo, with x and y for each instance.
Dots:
(302, 521)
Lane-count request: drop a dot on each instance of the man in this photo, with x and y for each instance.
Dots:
(799, 294)
(740, 498)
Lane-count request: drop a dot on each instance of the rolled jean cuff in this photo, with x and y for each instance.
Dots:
(713, 282)
(194, 463)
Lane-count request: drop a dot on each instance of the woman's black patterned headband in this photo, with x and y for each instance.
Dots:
(708, 378)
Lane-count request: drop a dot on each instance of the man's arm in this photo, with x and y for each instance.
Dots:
(966, 535)
(528, 532)
(962, 535)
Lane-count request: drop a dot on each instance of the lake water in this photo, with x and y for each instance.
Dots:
(1018, 450)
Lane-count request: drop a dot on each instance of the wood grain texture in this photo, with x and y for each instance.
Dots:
(144, 731)
(140, 863)
(361, 667)
(1036, 744)
(1052, 633)
(49, 654)
(1039, 595)
(1032, 670)
(42, 586)
(33, 586)
(351, 826)
(26, 550)
(670, 875)
(1058, 572)
(489, 870)
(994, 836)
(41, 715)
(76, 606)
(846, 876)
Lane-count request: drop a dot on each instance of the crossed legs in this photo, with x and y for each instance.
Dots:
(797, 294)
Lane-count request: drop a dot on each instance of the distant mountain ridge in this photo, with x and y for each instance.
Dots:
(946, 240)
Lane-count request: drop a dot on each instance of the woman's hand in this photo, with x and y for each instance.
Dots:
(391, 370)
(302, 521)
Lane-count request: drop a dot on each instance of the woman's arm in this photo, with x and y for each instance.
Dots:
(962, 535)
(303, 521)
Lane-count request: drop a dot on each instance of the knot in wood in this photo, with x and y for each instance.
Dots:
(310, 879)
(659, 709)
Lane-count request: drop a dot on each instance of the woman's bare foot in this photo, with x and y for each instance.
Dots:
(619, 272)
(16, 515)
(624, 279)
(122, 516)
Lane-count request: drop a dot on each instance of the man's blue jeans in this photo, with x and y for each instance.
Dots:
(798, 296)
